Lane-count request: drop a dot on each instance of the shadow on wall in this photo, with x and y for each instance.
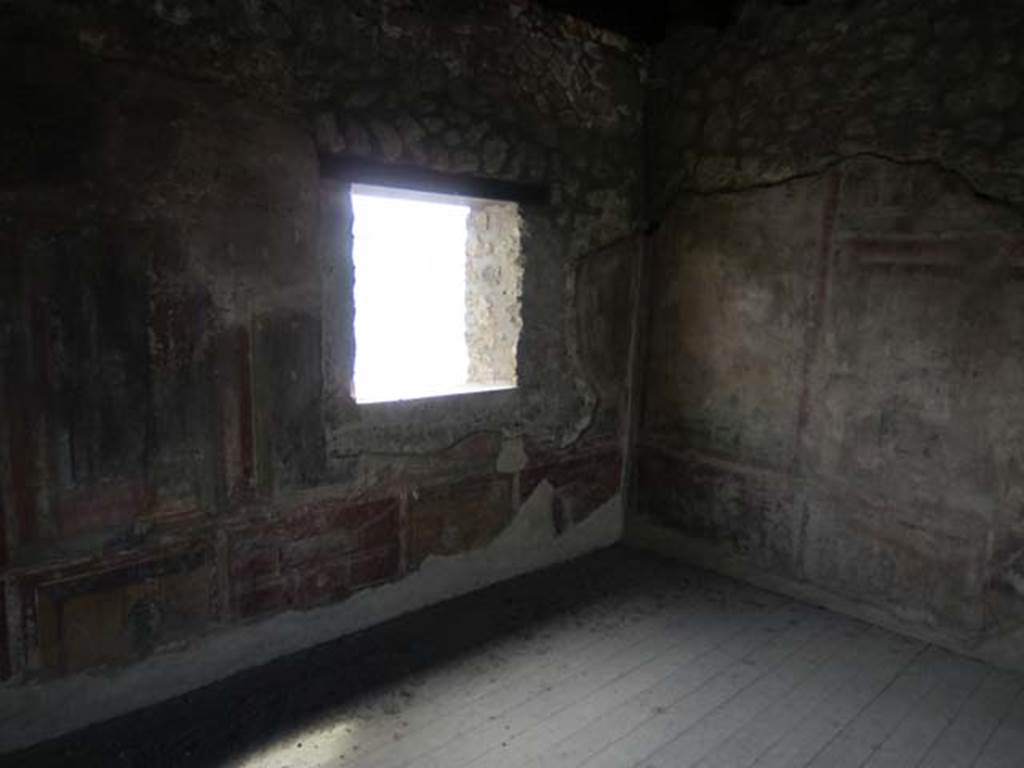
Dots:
(530, 541)
(834, 395)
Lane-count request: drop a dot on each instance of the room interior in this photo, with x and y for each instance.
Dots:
(704, 447)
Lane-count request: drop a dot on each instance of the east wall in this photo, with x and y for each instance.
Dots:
(835, 368)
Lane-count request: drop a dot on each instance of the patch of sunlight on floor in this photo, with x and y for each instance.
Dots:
(333, 744)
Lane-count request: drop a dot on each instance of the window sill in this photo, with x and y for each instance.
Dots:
(466, 389)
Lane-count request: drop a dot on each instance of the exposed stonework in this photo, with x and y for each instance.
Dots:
(787, 91)
(494, 284)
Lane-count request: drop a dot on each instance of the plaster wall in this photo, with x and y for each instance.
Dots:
(834, 378)
(183, 467)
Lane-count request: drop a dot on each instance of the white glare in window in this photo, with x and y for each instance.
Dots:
(410, 286)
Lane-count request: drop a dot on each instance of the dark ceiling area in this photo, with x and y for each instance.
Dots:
(648, 20)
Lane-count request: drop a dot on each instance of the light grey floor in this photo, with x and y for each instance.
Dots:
(696, 671)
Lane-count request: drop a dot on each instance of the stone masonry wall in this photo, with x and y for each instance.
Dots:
(788, 92)
(494, 285)
(182, 464)
(833, 396)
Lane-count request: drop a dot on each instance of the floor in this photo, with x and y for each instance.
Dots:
(615, 660)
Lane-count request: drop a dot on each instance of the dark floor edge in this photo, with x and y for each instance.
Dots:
(371, 658)
(643, 534)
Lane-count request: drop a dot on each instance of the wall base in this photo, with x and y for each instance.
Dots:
(642, 533)
(35, 712)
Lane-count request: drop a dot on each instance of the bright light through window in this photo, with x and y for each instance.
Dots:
(410, 287)
(437, 294)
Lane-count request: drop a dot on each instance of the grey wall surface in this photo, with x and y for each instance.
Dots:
(836, 348)
(179, 453)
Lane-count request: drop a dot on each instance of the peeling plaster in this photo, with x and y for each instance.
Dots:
(30, 713)
(512, 457)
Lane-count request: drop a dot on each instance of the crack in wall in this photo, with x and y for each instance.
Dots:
(836, 163)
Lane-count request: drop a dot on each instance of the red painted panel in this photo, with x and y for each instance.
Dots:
(95, 508)
(373, 566)
(314, 553)
(594, 475)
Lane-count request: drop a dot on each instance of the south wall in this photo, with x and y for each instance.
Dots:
(835, 369)
(188, 488)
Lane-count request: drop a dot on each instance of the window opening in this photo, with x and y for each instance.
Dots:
(437, 294)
